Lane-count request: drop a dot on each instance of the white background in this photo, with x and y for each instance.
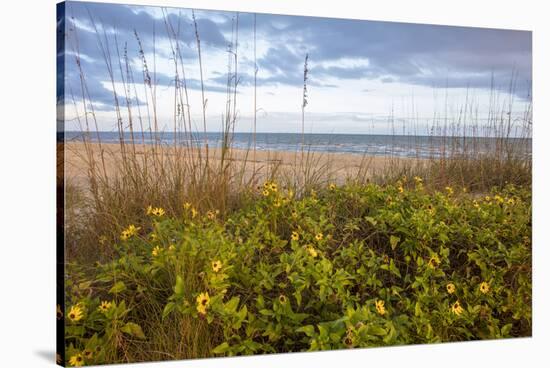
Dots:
(27, 181)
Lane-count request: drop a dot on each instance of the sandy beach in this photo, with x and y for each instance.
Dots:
(338, 166)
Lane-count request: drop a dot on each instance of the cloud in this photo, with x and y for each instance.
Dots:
(102, 34)
(339, 49)
(408, 53)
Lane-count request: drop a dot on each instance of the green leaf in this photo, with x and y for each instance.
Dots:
(394, 269)
(85, 285)
(376, 330)
(388, 339)
(266, 312)
(505, 330)
(394, 240)
(417, 309)
(298, 296)
(168, 309)
(260, 302)
(231, 305)
(118, 287)
(371, 220)
(133, 329)
(178, 289)
(221, 349)
(241, 315)
(309, 330)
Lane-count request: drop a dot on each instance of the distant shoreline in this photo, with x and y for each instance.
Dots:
(195, 133)
(410, 146)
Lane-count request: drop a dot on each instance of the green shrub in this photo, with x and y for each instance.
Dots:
(350, 266)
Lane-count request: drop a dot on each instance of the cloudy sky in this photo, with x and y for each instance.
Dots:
(360, 72)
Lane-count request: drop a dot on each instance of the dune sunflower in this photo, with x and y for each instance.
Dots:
(75, 313)
(216, 266)
(484, 287)
(203, 300)
(76, 360)
(457, 308)
(105, 306)
(380, 307)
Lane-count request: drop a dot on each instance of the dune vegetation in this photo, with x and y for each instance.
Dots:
(347, 266)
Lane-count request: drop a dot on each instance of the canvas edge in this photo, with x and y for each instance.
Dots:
(60, 184)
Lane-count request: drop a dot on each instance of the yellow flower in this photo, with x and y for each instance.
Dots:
(511, 201)
(484, 287)
(487, 198)
(319, 236)
(277, 203)
(216, 266)
(456, 308)
(75, 314)
(76, 360)
(193, 213)
(265, 192)
(88, 353)
(267, 185)
(172, 247)
(156, 251)
(201, 309)
(149, 210)
(203, 300)
(282, 299)
(124, 235)
(449, 190)
(294, 214)
(158, 211)
(273, 187)
(104, 306)
(186, 205)
(380, 307)
(418, 179)
(295, 236)
(211, 215)
(499, 198)
(130, 231)
(312, 252)
(434, 261)
(451, 288)
(400, 189)
(332, 186)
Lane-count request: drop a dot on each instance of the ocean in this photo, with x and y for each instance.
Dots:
(378, 145)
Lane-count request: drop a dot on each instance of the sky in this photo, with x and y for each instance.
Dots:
(365, 77)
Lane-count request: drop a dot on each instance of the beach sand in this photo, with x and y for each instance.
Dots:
(335, 166)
